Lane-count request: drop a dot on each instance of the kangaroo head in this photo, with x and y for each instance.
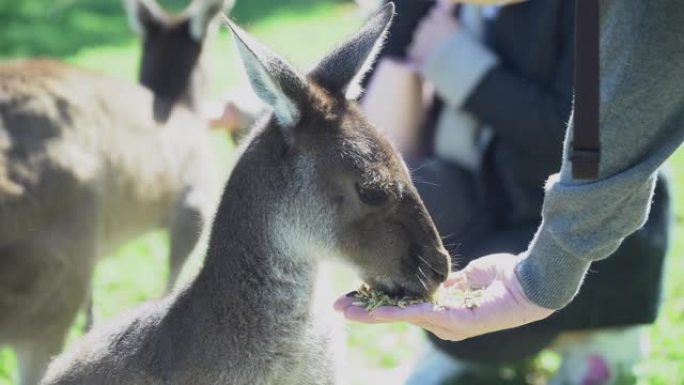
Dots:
(171, 49)
(343, 187)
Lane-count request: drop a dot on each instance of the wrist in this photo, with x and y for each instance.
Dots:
(549, 275)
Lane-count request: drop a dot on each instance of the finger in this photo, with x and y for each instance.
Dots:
(412, 313)
(456, 279)
(359, 314)
(469, 278)
(480, 272)
(344, 302)
(449, 332)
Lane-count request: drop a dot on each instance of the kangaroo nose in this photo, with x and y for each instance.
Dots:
(442, 260)
(433, 261)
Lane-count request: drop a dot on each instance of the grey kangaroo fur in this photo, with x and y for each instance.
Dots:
(315, 179)
(88, 163)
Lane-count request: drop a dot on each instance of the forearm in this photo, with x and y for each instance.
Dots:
(641, 126)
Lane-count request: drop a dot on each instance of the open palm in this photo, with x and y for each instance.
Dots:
(503, 303)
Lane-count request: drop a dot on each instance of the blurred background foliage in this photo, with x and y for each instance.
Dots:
(59, 27)
(95, 34)
(63, 27)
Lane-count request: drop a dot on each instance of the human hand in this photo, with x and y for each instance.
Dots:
(229, 119)
(503, 304)
(432, 31)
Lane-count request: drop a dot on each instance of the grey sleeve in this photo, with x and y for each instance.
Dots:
(642, 124)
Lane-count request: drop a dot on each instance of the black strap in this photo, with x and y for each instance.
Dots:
(586, 148)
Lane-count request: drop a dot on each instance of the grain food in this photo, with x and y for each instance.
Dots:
(453, 296)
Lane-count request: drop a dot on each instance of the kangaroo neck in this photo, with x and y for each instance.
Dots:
(247, 261)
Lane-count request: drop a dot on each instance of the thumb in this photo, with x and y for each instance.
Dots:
(483, 271)
(473, 276)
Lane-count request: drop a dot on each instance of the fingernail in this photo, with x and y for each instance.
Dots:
(351, 294)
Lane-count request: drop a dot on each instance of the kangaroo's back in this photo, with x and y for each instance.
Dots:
(40, 127)
(70, 132)
(88, 163)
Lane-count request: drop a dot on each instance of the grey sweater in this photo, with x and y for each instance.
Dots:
(642, 124)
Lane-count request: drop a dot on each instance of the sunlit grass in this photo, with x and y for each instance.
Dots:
(301, 38)
(665, 364)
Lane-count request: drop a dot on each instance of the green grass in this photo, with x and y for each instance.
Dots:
(63, 27)
(665, 364)
(137, 272)
(312, 32)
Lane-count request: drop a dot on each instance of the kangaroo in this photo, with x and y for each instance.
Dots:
(88, 163)
(171, 67)
(314, 180)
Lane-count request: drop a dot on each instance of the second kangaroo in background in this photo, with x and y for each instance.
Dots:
(314, 180)
(88, 163)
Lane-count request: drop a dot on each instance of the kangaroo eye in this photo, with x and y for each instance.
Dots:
(372, 196)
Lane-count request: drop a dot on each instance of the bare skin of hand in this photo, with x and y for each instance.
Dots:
(503, 304)
(229, 120)
(435, 28)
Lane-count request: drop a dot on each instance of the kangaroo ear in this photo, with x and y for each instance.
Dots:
(144, 16)
(276, 82)
(203, 13)
(345, 66)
